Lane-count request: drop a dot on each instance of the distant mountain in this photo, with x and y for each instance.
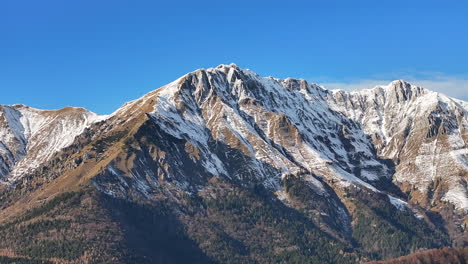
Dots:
(29, 137)
(225, 166)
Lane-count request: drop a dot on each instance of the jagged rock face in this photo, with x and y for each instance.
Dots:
(29, 137)
(423, 132)
(285, 124)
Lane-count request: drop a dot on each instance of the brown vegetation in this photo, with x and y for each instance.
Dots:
(443, 256)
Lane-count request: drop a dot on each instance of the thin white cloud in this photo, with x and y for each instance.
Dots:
(454, 86)
(354, 85)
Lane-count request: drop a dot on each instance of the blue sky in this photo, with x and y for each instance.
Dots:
(100, 54)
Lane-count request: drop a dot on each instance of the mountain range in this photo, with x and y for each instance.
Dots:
(225, 166)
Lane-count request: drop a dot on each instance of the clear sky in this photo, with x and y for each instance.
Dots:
(99, 54)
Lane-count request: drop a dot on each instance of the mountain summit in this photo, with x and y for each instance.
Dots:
(234, 167)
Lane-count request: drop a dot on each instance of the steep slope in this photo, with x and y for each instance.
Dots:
(235, 167)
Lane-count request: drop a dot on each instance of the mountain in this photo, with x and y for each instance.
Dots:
(225, 166)
(29, 136)
(421, 131)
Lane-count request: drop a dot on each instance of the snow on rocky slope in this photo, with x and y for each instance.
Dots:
(29, 136)
(423, 132)
(286, 124)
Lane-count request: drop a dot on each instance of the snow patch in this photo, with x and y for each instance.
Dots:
(398, 203)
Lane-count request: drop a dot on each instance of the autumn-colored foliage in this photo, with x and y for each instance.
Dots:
(444, 255)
